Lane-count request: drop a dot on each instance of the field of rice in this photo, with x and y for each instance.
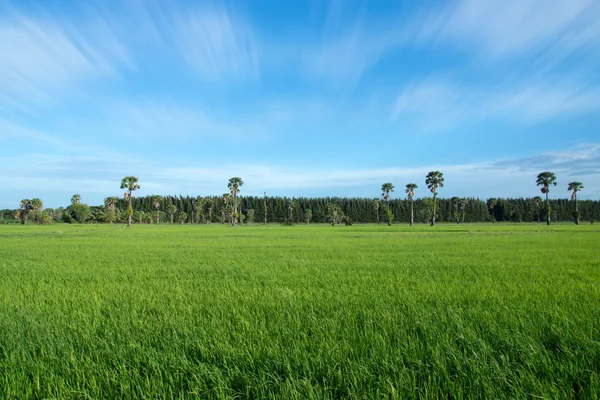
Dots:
(363, 311)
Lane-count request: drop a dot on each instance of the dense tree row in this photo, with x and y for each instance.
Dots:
(231, 208)
(358, 210)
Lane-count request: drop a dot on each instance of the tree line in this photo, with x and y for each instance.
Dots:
(231, 208)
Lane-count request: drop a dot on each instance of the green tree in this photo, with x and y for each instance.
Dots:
(464, 202)
(249, 215)
(208, 207)
(308, 216)
(575, 187)
(455, 204)
(434, 179)
(226, 197)
(538, 204)
(198, 205)
(387, 211)
(410, 193)
(491, 203)
(386, 189)
(291, 205)
(156, 202)
(23, 213)
(79, 212)
(171, 210)
(334, 213)
(377, 206)
(130, 183)
(234, 187)
(75, 199)
(182, 217)
(545, 179)
(110, 203)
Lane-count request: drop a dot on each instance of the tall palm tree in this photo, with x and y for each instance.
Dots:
(434, 179)
(386, 189)
(156, 201)
(545, 179)
(130, 183)
(410, 193)
(575, 187)
(234, 186)
(171, 210)
(75, 199)
(491, 203)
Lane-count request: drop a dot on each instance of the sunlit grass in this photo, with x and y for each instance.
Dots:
(483, 311)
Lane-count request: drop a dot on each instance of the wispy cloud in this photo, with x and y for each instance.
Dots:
(217, 44)
(443, 104)
(27, 136)
(500, 28)
(41, 57)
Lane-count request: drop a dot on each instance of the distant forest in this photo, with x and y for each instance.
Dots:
(179, 209)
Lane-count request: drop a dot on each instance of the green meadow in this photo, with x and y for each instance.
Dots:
(364, 311)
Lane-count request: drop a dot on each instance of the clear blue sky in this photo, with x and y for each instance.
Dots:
(298, 98)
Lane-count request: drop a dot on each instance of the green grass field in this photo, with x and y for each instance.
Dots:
(475, 311)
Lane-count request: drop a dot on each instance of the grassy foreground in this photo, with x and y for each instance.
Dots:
(476, 311)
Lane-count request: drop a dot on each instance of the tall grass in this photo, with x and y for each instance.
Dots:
(475, 311)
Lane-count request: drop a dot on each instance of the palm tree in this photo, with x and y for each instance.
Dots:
(491, 203)
(110, 203)
(198, 205)
(75, 199)
(156, 201)
(171, 210)
(410, 192)
(377, 206)
(386, 189)
(36, 208)
(182, 217)
(308, 216)
(434, 179)
(130, 183)
(234, 186)
(575, 187)
(545, 179)
(26, 207)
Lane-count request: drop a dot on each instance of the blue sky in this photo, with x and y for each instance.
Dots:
(307, 98)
